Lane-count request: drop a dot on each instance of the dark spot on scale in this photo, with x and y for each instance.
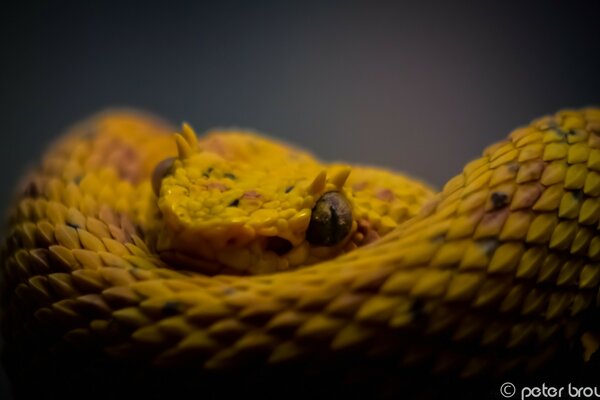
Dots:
(548, 124)
(493, 219)
(384, 194)
(234, 203)
(207, 172)
(499, 200)
(438, 238)
(218, 186)
(488, 245)
(31, 190)
(230, 176)
(577, 194)
(357, 187)
(278, 245)
(72, 225)
(289, 189)
(77, 179)
(514, 167)
(559, 132)
(251, 194)
(170, 308)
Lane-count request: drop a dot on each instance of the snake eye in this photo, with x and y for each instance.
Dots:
(330, 221)
(160, 171)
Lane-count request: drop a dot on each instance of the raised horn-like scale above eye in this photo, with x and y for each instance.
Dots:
(331, 220)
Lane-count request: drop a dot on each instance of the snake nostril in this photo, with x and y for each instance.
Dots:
(278, 245)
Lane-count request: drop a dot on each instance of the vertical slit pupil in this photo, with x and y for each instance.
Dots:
(331, 220)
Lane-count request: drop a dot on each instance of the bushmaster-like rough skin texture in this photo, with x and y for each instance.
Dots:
(497, 273)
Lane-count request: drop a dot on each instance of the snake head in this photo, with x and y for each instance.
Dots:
(235, 202)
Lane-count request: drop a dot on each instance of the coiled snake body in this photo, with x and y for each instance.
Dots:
(241, 253)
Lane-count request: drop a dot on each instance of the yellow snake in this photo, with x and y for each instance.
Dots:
(233, 252)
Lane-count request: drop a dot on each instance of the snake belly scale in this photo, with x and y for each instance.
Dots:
(232, 251)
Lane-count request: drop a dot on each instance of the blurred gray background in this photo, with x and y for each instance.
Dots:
(413, 85)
